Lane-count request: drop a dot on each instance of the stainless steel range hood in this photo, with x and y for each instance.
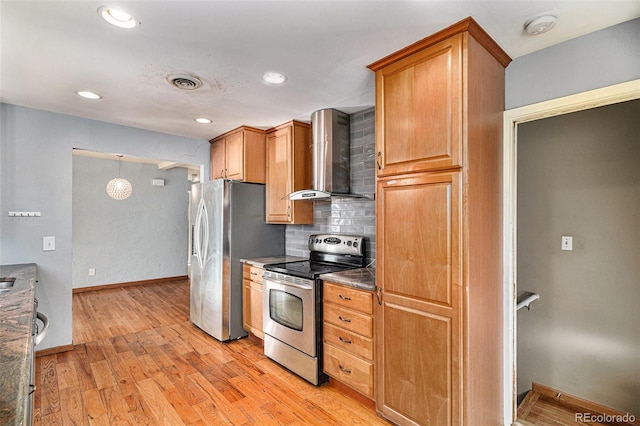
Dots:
(330, 157)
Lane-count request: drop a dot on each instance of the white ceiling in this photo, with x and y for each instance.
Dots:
(51, 49)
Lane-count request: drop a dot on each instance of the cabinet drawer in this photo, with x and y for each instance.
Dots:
(359, 300)
(350, 342)
(348, 369)
(253, 273)
(349, 320)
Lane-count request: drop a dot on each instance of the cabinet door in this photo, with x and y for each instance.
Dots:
(418, 326)
(256, 309)
(218, 162)
(235, 156)
(419, 110)
(278, 176)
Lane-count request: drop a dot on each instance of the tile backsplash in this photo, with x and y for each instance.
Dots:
(355, 216)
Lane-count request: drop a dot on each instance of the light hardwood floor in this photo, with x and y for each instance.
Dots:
(137, 359)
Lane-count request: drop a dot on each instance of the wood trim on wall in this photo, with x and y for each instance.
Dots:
(576, 403)
(129, 284)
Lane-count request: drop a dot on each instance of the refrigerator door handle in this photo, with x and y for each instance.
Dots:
(201, 237)
(205, 224)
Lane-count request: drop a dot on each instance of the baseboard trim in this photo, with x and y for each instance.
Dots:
(582, 404)
(54, 350)
(129, 284)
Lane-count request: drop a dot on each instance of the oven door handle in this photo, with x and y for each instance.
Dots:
(286, 283)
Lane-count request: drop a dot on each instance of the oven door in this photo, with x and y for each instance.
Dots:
(289, 310)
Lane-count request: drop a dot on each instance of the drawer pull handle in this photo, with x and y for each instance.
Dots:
(343, 319)
(254, 274)
(379, 160)
(344, 297)
(344, 370)
(343, 340)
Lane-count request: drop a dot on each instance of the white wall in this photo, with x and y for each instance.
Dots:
(36, 175)
(599, 59)
(140, 238)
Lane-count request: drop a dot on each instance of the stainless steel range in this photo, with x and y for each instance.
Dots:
(292, 302)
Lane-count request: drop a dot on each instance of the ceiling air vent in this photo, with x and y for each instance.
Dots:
(184, 81)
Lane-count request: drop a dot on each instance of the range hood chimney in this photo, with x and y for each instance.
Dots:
(330, 157)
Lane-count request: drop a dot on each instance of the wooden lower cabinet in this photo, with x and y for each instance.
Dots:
(348, 336)
(252, 299)
(419, 320)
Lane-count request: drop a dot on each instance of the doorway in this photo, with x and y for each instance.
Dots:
(513, 120)
(140, 238)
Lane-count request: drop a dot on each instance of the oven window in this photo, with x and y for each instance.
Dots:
(285, 309)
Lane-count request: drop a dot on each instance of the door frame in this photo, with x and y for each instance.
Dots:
(586, 100)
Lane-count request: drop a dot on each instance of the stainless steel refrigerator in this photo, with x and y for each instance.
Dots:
(227, 220)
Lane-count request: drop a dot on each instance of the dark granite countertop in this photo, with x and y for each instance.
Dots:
(17, 311)
(261, 261)
(362, 278)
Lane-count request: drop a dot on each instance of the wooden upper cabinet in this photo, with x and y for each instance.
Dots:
(288, 170)
(420, 114)
(218, 158)
(236, 156)
(420, 103)
(239, 155)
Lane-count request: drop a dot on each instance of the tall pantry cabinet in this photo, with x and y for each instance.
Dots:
(439, 105)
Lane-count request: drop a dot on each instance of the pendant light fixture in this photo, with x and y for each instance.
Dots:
(119, 188)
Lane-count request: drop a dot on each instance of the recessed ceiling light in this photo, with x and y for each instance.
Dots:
(540, 25)
(274, 78)
(117, 17)
(203, 120)
(88, 95)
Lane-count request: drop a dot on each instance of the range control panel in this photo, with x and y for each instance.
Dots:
(337, 244)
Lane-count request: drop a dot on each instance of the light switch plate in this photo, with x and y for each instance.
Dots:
(48, 243)
(567, 243)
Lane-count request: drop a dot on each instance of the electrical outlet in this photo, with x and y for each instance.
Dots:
(92, 272)
(567, 243)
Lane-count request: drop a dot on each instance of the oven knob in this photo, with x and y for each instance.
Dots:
(349, 243)
(355, 244)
